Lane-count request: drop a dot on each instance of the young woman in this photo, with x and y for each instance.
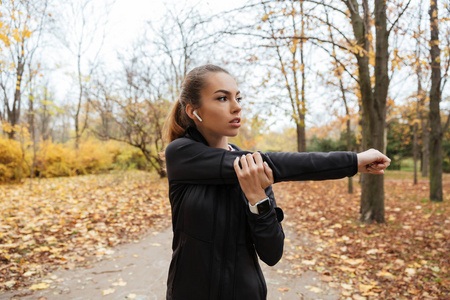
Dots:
(224, 213)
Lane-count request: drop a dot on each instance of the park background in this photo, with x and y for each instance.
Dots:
(86, 87)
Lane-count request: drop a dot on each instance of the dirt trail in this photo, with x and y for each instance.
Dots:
(139, 271)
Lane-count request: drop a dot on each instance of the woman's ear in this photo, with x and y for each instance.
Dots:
(190, 112)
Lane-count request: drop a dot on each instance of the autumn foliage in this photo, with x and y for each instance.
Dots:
(62, 159)
(63, 222)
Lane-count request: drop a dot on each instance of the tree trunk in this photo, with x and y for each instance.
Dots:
(373, 103)
(349, 148)
(301, 138)
(415, 151)
(32, 126)
(14, 111)
(435, 118)
(425, 147)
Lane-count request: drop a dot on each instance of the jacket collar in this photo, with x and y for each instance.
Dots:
(194, 134)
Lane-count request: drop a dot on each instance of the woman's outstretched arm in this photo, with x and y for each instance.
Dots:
(192, 162)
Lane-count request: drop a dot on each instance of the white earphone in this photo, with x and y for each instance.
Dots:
(195, 114)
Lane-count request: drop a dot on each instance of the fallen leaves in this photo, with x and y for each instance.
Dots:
(62, 221)
(405, 258)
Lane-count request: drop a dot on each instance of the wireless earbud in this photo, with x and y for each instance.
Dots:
(195, 114)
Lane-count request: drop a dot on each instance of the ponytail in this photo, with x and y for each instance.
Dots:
(177, 122)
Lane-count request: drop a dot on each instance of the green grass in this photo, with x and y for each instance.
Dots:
(407, 164)
(394, 174)
(409, 175)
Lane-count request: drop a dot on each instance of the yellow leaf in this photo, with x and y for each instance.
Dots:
(119, 282)
(315, 289)
(347, 269)
(108, 292)
(309, 262)
(293, 48)
(438, 236)
(372, 251)
(365, 288)
(40, 286)
(410, 271)
(346, 286)
(354, 262)
(384, 273)
(43, 249)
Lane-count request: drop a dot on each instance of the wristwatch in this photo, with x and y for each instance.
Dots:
(260, 207)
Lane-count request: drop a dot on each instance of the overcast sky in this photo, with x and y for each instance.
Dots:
(128, 17)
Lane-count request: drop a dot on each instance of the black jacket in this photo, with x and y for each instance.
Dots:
(215, 234)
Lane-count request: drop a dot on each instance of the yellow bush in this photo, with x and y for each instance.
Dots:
(55, 160)
(11, 163)
(94, 157)
(126, 157)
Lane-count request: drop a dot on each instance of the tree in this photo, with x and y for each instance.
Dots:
(373, 97)
(290, 58)
(81, 31)
(436, 132)
(419, 119)
(22, 24)
(372, 58)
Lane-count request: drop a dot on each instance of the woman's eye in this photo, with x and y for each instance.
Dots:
(223, 98)
(239, 99)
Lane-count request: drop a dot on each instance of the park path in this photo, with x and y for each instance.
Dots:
(139, 271)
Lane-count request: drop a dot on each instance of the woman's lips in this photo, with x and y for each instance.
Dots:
(236, 122)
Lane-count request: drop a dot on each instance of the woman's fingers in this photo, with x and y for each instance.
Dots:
(269, 172)
(244, 163)
(372, 161)
(258, 158)
(236, 166)
(252, 164)
(375, 170)
(253, 175)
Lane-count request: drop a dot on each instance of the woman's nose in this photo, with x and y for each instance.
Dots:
(235, 106)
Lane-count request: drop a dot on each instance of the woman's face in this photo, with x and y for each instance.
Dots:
(220, 107)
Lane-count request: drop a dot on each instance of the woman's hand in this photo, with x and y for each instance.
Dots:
(254, 176)
(372, 161)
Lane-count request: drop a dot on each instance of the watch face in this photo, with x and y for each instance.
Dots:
(264, 207)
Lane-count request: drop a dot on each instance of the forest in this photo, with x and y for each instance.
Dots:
(81, 97)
